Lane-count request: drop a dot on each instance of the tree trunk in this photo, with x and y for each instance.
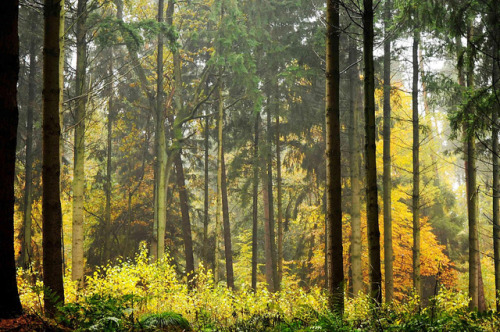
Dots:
(186, 222)
(10, 306)
(218, 216)
(370, 152)
(335, 260)
(227, 229)
(416, 170)
(161, 181)
(206, 198)
(354, 166)
(280, 197)
(267, 235)
(472, 198)
(108, 186)
(79, 154)
(494, 135)
(27, 251)
(62, 41)
(387, 182)
(272, 240)
(51, 203)
(255, 207)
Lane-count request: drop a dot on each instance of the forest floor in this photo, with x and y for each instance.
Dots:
(28, 323)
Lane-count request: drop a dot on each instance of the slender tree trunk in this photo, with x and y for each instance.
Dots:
(494, 135)
(354, 166)
(186, 222)
(51, 203)
(218, 217)
(27, 250)
(472, 201)
(10, 306)
(272, 240)
(206, 198)
(227, 228)
(280, 197)
(416, 170)
(370, 152)
(333, 177)
(108, 187)
(77, 269)
(161, 181)
(387, 182)
(62, 42)
(267, 236)
(255, 194)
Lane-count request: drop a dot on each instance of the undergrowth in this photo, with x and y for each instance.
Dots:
(142, 296)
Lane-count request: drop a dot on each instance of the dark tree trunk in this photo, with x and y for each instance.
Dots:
(270, 195)
(51, 203)
(186, 222)
(27, 250)
(416, 170)
(228, 251)
(370, 153)
(255, 193)
(205, 198)
(388, 251)
(335, 260)
(10, 306)
(356, 273)
(108, 186)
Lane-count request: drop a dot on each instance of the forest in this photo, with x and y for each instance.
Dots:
(249, 165)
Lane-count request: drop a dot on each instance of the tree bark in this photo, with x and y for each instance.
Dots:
(387, 182)
(280, 197)
(333, 177)
(51, 203)
(108, 185)
(218, 216)
(77, 269)
(186, 222)
(494, 147)
(255, 193)
(27, 250)
(370, 152)
(272, 239)
(417, 285)
(206, 198)
(10, 306)
(228, 251)
(267, 236)
(354, 166)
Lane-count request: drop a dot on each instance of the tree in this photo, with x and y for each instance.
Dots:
(333, 179)
(79, 148)
(388, 251)
(416, 169)
(51, 203)
(370, 153)
(10, 306)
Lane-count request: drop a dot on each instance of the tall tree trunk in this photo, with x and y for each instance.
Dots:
(416, 170)
(387, 182)
(472, 198)
(335, 260)
(27, 251)
(494, 135)
(62, 42)
(77, 269)
(51, 203)
(272, 239)
(370, 152)
(218, 216)
(206, 198)
(255, 208)
(10, 306)
(186, 222)
(227, 228)
(161, 181)
(280, 196)
(267, 236)
(108, 188)
(354, 166)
